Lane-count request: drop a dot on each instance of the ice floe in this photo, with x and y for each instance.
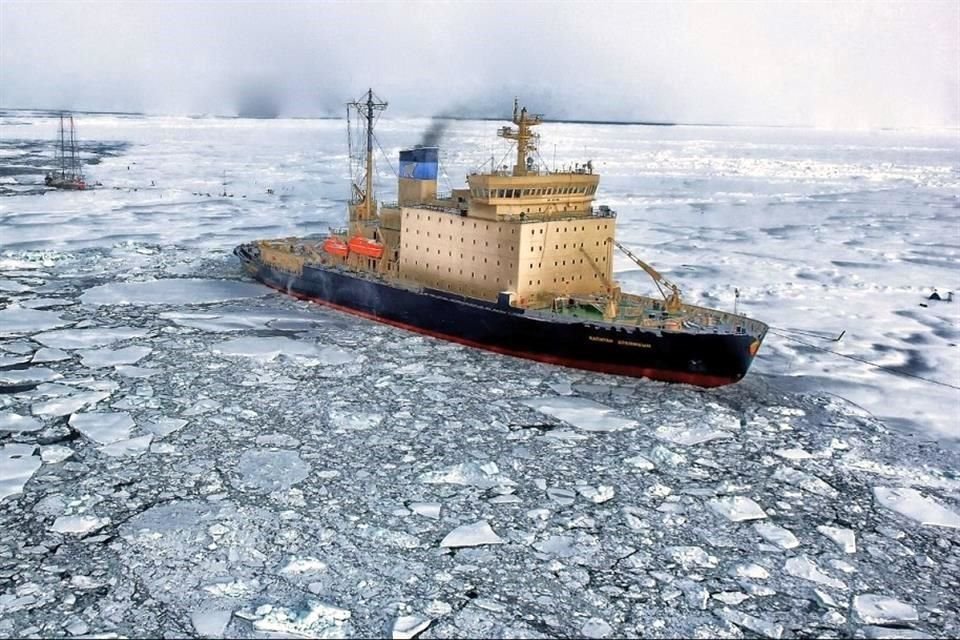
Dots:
(17, 321)
(66, 405)
(54, 453)
(136, 372)
(806, 569)
(761, 626)
(581, 412)
(596, 495)
(86, 338)
(164, 426)
(466, 473)
(640, 462)
(174, 291)
(690, 556)
(409, 627)
(211, 622)
(689, 436)
(596, 628)
(877, 609)
(31, 376)
(107, 357)
(471, 535)
(79, 524)
(266, 349)
(805, 481)
(775, 534)
(17, 466)
(314, 620)
(843, 538)
(103, 427)
(10, 421)
(48, 354)
(916, 506)
(266, 470)
(243, 318)
(794, 454)
(426, 509)
(47, 303)
(737, 508)
(13, 361)
(128, 447)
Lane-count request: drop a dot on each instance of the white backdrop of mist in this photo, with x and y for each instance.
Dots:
(831, 65)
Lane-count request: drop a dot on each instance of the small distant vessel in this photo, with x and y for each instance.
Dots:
(69, 174)
(520, 262)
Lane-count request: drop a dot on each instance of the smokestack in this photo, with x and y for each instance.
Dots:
(418, 176)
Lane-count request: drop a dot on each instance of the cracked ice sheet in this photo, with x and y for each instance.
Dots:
(916, 506)
(36, 375)
(582, 413)
(269, 348)
(10, 421)
(107, 357)
(471, 535)
(103, 428)
(737, 508)
(876, 609)
(84, 338)
(689, 436)
(315, 620)
(175, 291)
(78, 524)
(239, 319)
(17, 321)
(17, 466)
(468, 474)
(66, 405)
(266, 470)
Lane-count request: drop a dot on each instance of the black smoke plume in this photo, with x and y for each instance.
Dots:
(434, 133)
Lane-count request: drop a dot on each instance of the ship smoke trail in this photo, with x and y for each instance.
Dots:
(434, 133)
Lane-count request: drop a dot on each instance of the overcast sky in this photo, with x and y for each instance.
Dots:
(826, 64)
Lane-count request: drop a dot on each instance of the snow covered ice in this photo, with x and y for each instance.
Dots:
(186, 453)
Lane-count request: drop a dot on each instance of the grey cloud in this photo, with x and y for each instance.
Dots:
(818, 64)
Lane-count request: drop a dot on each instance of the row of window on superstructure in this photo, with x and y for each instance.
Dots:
(478, 192)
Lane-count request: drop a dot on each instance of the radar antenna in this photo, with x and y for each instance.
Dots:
(526, 139)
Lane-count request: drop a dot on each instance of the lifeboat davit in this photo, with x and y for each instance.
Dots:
(366, 247)
(336, 246)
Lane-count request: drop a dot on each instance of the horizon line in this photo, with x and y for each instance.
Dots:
(610, 122)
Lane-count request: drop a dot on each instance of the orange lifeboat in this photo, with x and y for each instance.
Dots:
(366, 247)
(336, 246)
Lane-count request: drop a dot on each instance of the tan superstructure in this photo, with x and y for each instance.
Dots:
(530, 233)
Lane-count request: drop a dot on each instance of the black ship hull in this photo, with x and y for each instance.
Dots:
(702, 359)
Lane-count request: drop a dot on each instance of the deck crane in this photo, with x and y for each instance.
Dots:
(672, 301)
(612, 304)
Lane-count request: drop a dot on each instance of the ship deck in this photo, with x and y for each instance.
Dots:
(649, 313)
(633, 310)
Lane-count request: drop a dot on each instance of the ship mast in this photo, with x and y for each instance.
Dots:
(367, 109)
(74, 158)
(526, 139)
(63, 155)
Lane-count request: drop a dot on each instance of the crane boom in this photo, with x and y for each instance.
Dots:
(671, 300)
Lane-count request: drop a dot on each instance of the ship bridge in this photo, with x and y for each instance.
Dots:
(496, 196)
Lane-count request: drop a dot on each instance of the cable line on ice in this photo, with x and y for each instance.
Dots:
(867, 362)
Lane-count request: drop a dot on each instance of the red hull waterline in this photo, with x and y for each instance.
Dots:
(697, 379)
